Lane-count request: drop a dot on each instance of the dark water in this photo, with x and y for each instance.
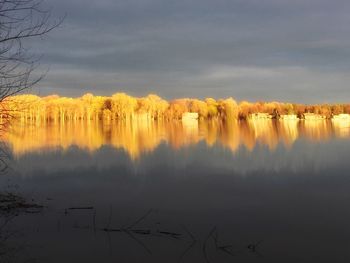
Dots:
(194, 203)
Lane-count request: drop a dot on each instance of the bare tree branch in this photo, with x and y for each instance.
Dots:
(20, 20)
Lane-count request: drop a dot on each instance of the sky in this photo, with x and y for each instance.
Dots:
(297, 51)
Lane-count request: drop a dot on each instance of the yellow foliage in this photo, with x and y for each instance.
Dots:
(121, 106)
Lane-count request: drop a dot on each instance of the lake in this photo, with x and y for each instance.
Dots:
(244, 191)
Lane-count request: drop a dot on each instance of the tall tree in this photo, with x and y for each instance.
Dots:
(20, 20)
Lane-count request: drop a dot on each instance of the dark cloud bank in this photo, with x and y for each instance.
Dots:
(248, 49)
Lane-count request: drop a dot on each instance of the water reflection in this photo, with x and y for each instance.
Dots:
(187, 201)
(139, 137)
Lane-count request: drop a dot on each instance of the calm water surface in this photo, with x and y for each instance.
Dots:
(258, 191)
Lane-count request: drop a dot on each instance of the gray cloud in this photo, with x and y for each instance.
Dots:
(273, 50)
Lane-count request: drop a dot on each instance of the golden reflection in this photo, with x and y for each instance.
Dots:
(139, 136)
(229, 135)
(316, 130)
(288, 131)
(341, 127)
(265, 132)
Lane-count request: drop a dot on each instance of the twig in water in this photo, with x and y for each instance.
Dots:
(139, 242)
(253, 248)
(172, 234)
(141, 231)
(81, 208)
(94, 222)
(111, 229)
(140, 219)
(194, 241)
(223, 248)
(204, 248)
(109, 217)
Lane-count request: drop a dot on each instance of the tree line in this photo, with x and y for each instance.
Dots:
(121, 106)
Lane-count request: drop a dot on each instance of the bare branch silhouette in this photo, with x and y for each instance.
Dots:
(20, 20)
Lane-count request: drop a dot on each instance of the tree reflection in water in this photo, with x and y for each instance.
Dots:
(138, 137)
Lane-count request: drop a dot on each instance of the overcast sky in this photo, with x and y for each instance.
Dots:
(289, 50)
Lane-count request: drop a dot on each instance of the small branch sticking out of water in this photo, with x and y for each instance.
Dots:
(81, 208)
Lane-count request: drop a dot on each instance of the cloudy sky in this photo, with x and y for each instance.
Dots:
(250, 49)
